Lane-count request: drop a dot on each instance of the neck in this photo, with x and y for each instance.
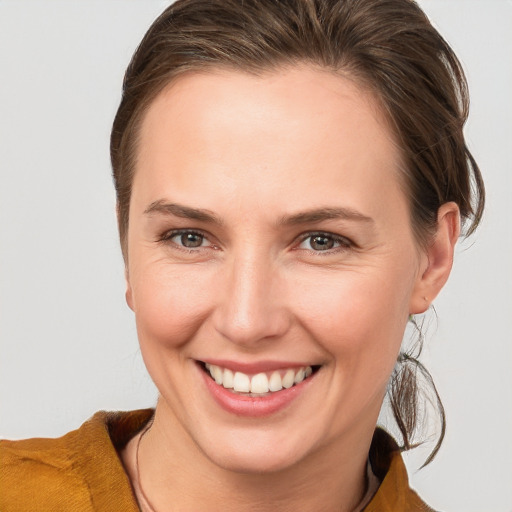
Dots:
(171, 469)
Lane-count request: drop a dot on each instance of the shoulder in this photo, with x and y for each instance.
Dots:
(37, 474)
(74, 472)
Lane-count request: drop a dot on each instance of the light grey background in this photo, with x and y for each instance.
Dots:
(67, 340)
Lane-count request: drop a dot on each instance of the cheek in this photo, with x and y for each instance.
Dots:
(354, 313)
(170, 303)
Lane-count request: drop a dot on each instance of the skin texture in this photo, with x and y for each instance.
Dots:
(254, 153)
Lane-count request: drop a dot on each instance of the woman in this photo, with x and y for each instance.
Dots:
(291, 177)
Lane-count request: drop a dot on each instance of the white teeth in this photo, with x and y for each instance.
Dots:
(216, 374)
(260, 383)
(241, 383)
(299, 377)
(275, 383)
(227, 379)
(288, 379)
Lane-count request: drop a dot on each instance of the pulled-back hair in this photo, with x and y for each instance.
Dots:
(386, 46)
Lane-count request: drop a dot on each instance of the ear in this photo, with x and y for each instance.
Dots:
(438, 260)
(129, 292)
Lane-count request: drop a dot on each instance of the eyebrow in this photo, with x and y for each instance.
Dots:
(305, 217)
(185, 212)
(321, 214)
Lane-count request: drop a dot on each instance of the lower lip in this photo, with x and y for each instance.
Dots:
(254, 406)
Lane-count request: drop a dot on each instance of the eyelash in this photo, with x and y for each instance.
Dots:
(343, 242)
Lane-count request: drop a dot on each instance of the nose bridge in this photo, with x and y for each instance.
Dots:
(252, 304)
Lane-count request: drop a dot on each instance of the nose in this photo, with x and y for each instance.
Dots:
(252, 302)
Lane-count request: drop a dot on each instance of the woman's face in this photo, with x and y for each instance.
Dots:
(269, 236)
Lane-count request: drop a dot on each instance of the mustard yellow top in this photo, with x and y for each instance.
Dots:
(82, 472)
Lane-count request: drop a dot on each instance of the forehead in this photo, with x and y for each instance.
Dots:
(202, 98)
(280, 131)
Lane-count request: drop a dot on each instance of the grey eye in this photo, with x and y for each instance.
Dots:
(321, 242)
(190, 240)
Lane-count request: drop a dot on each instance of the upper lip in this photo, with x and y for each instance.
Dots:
(255, 367)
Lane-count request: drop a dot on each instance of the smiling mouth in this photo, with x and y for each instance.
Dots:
(260, 384)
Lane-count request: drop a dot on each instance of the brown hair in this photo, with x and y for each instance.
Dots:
(387, 46)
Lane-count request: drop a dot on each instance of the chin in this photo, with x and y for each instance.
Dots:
(253, 463)
(257, 455)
